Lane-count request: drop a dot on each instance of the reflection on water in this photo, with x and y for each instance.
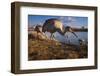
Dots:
(71, 38)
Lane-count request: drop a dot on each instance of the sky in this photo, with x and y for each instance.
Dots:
(73, 21)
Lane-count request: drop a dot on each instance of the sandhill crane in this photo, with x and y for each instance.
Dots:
(55, 25)
(52, 26)
(38, 29)
(69, 29)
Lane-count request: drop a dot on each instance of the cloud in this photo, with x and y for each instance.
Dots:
(71, 19)
(62, 17)
(68, 20)
(40, 23)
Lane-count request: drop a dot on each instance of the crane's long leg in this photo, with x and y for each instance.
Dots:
(74, 34)
(51, 36)
(45, 36)
(68, 41)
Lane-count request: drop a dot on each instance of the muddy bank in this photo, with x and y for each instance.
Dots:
(46, 49)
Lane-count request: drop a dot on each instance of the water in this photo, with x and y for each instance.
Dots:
(71, 38)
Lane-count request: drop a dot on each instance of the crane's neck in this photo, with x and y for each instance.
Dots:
(61, 32)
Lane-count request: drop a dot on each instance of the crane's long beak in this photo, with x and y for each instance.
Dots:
(75, 34)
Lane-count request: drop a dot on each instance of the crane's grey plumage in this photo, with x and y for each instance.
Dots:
(52, 26)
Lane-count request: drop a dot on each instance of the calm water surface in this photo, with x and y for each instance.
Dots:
(71, 38)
